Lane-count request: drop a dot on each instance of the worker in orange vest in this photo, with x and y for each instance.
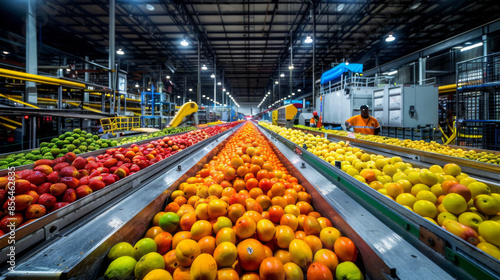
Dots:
(315, 120)
(363, 123)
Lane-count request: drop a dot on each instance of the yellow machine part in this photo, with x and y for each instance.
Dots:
(186, 110)
(290, 111)
(119, 124)
(275, 117)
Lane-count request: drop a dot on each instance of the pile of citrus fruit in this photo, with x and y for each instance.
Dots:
(443, 195)
(421, 145)
(243, 216)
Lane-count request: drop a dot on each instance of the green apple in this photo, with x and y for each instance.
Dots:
(222, 222)
(348, 271)
(470, 219)
(477, 188)
(454, 203)
(445, 216)
(490, 231)
(486, 204)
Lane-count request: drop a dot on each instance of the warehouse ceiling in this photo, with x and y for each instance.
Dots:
(250, 42)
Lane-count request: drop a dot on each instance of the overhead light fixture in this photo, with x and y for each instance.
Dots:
(223, 89)
(178, 96)
(390, 38)
(150, 7)
(414, 6)
(340, 7)
(289, 96)
(268, 93)
(347, 63)
(457, 47)
(120, 51)
(276, 82)
(68, 70)
(189, 100)
(208, 97)
(212, 76)
(282, 75)
(6, 52)
(293, 93)
(308, 39)
(392, 72)
(190, 89)
(290, 67)
(184, 42)
(227, 93)
(219, 83)
(299, 90)
(471, 47)
(136, 84)
(468, 43)
(203, 95)
(204, 67)
(148, 89)
(168, 77)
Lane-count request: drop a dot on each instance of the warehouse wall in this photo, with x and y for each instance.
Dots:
(248, 108)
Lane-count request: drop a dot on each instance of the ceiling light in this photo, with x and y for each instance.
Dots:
(308, 39)
(219, 83)
(150, 7)
(392, 72)
(208, 97)
(212, 76)
(223, 89)
(290, 67)
(299, 90)
(136, 84)
(204, 67)
(282, 75)
(468, 43)
(168, 77)
(347, 63)
(414, 6)
(293, 93)
(471, 47)
(276, 82)
(68, 70)
(268, 93)
(457, 47)
(189, 100)
(148, 89)
(178, 96)
(184, 43)
(340, 7)
(190, 89)
(227, 93)
(203, 95)
(289, 96)
(390, 38)
(120, 51)
(6, 52)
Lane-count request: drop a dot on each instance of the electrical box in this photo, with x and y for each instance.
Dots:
(412, 106)
(340, 105)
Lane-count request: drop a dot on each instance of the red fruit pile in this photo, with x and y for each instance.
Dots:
(53, 184)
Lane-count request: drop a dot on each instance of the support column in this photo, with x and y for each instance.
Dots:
(198, 87)
(111, 58)
(184, 95)
(30, 95)
(215, 82)
(314, 58)
(421, 70)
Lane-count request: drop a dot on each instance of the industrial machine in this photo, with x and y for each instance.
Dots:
(181, 117)
(286, 115)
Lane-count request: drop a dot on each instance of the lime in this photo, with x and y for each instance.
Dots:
(144, 246)
(148, 263)
(169, 222)
(121, 268)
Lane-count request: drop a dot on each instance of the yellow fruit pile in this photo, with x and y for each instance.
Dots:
(243, 216)
(442, 195)
(421, 145)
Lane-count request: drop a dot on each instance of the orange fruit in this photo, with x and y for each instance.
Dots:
(179, 236)
(153, 232)
(283, 236)
(172, 207)
(327, 257)
(187, 221)
(225, 235)
(201, 229)
(255, 192)
(163, 242)
(256, 216)
(235, 211)
(245, 227)
(345, 249)
(324, 222)
(319, 271)
(275, 213)
(207, 245)
(265, 230)
(182, 273)
(250, 276)
(289, 220)
(252, 183)
(171, 262)
(156, 219)
(217, 208)
(227, 274)
(271, 268)
(251, 253)
(314, 243)
(225, 254)
(283, 256)
(186, 252)
(394, 189)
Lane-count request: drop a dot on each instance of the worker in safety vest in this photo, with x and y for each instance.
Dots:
(363, 123)
(315, 120)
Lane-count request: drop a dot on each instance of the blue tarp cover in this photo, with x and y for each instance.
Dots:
(338, 70)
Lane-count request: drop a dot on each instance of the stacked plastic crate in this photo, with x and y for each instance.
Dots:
(478, 102)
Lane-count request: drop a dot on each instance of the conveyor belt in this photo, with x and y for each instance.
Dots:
(51, 224)
(79, 251)
(476, 168)
(458, 257)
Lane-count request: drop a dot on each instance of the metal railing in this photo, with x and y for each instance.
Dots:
(119, 123)
(352, 80)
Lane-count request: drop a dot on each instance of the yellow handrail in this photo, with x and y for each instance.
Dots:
(8, 125)
(119, 123)
(18, 101)
(11, 121)
(38, 78)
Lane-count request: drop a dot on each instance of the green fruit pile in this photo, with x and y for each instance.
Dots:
(78, 141)
(165, 131)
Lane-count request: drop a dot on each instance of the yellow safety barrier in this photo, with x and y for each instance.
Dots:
(7, 125)
(119, 123)
(18, 101)
(37, 78)
(11, 121)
